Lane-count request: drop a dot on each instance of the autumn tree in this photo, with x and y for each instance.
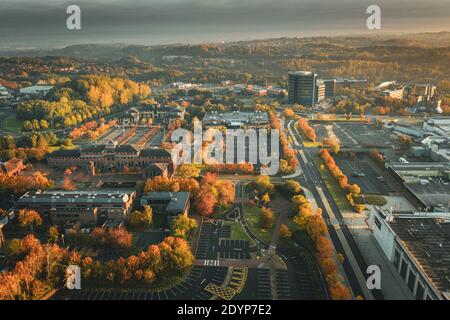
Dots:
(188, 171)
(285, 233)
(266, 218)
(29, 218)
(141, 219)
(182, 225)
(292, 187)
(53, 234)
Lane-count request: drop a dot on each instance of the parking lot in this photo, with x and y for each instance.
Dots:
(282, 285)
(301, 284)
(354, 134)
(192, 288)
(234, 249)
(372, 180)
(214, 243)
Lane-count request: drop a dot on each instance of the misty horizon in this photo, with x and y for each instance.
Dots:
(27, 24)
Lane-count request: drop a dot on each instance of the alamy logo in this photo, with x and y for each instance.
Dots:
(73, 22)
(374, 20)
(73, 277)
(374, 279)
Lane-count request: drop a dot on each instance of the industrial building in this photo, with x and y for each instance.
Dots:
(418, 245)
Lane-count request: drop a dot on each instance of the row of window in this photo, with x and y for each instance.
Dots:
(412, 277)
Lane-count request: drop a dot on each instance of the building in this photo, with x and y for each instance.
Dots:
(38, 90)
(426, 182)
(276, 92)
(302, 88)
(181, 85)
(84, 206)
(355, 84)
(156, 170)
(394, 94)
(437, 126)
(167, 204)
(12, 167)
(164, 115)
(256, 90)
(418, 245)
(3, 92)
(330, 87)
(423, 90)
(320, 91)
(110, 157)
(438, 148)
(236, 119)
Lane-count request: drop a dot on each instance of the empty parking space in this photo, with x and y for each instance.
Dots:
(282, 285)
(263, 284)
(234, 249)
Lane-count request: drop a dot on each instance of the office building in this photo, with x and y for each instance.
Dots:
(302, 88)
(84, 206)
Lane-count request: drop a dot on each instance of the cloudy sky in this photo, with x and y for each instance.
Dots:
(42, 23)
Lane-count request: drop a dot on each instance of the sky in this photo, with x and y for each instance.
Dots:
(42, 23)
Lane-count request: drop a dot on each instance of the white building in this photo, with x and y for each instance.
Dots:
(3, 91)
(41, 90)
(437, 126)
(415, 243)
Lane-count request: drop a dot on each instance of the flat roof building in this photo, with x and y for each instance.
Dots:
(85, 206)
(427, 182)
(41, 90)
(236, 119)
(168, 204)
(418, 245)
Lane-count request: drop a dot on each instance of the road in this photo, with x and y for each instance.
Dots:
(354, 264)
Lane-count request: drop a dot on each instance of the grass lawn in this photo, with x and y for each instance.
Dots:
(238, 233)
(372, 199)
(12, 124)
(333, 186)
(252, 214)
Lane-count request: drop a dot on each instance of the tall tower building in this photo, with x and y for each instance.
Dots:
(302, 88)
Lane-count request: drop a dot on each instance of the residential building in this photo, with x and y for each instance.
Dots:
(84, 206)
(418, 246)
(302, 88)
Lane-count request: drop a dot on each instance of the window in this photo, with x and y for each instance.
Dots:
(378, 223)
(411, 280)
(420, 291)
(404, 269)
